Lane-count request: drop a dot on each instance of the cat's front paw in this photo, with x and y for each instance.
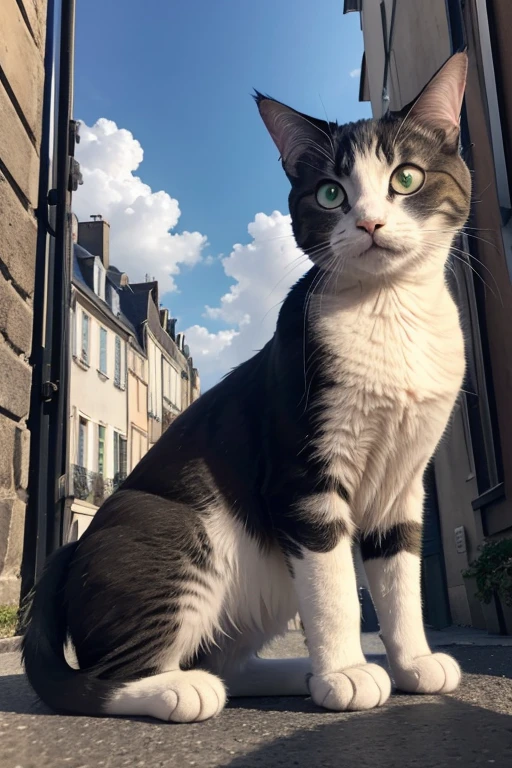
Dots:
(435, 673)
(364, 686)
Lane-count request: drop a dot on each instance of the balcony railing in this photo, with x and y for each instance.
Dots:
(92, 486)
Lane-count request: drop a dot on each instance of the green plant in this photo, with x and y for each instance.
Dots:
(493, 571)
(8, 620)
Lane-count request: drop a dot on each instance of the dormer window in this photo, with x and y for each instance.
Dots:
(100, 275)
(114, 302)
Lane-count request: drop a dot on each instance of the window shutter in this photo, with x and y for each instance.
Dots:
(75, 331)
(85, 337)
(117, 373)
(82, 426)
(101, 450)
(116, 454)
(103, 350)
(123, 455)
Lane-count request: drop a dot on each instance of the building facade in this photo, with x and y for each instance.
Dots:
(23, 25)
(173, 382)
(469, 487)
(130, 376)
(99, 407)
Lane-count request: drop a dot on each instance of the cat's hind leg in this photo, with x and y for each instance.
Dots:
(144, 597)
(177, 696)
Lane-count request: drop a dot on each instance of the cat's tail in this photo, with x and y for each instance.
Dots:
(57, 684)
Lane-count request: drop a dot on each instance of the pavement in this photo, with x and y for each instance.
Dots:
(472, 727)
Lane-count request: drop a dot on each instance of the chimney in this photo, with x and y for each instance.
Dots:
(94, 237)
(164, 318)
(171, 327)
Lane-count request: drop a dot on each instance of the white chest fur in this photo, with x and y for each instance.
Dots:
(396, 356)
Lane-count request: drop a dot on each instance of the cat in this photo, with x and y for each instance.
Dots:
(250, 506)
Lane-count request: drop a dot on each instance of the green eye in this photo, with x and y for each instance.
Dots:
(330, 195)
(407, 179)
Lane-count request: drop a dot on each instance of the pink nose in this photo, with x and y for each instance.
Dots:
(370, 225)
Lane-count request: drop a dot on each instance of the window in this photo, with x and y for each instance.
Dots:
(120, 457)
(82, 442)
(84, 355)
(99, 278)
(101, 450)
(172, 385)
(176, 388)
(139, 445)
(117, 368)
(103, 351)
(166, 377)
(116, 453)
(114, 303)
(123, 455)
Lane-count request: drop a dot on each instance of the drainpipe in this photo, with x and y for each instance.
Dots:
(48, 418)
(388, 47)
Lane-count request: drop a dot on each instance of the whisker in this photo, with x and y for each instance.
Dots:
(324, 133)
(470, 256)
(468, 264)
(316, 280)
(468, 234)
(463, 261)
(325, 277)
(290, 269)
(331, 137)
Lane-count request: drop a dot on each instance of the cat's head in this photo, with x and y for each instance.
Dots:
(377, 197)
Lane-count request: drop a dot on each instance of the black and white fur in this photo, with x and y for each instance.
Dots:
(249, 507)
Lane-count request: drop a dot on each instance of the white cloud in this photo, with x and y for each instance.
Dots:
(208, 346)
(355, 72)
(263, 271)
(140, 220)
(141, 242)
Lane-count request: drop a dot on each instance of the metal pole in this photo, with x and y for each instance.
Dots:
(50, 349)
(62, 283)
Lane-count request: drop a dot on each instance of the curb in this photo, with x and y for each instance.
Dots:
(10, 644)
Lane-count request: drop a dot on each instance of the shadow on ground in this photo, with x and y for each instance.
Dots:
(437, 734)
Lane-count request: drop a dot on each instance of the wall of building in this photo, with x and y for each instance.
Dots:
(413, 59)
(94, 396)
(456, 488)
(22, 23)
(465, 469)
(95, 399)
(490, 250)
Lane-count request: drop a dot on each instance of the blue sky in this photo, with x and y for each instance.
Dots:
(178, 76)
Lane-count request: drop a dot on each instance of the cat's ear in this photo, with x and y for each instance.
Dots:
(440, 103)
(294, 133)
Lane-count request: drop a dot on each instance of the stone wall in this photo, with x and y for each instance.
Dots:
(23, 24)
